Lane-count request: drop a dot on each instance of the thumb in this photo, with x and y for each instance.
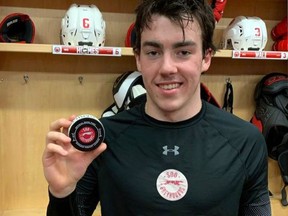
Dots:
(96, 152)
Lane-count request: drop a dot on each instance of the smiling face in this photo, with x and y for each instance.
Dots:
(171, 66)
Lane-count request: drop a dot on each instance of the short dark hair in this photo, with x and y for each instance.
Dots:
(177, 11)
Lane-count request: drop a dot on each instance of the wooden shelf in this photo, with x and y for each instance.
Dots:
(26, 48)
(42, 48)
(223, 63)
(47, 48)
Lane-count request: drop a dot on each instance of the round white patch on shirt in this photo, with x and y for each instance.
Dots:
(172, 185)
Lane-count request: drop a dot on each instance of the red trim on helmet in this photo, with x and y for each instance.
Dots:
(257, 123)
(128, 42)
(274, 79)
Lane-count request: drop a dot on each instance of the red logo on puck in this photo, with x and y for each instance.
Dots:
(86, 134)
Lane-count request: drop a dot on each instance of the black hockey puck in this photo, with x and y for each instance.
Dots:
(86, 132)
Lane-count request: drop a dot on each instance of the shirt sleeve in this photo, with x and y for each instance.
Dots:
(87, 191)
(82, 202)
(255, 197)
(62, 206)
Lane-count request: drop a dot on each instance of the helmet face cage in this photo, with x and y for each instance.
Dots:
(245, 33)
(83, 25)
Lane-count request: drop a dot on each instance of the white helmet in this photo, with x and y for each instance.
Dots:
(83, 25)
(128, 91)
(245, 33)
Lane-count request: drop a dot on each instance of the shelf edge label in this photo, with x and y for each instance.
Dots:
(86, 50)
(277, 55)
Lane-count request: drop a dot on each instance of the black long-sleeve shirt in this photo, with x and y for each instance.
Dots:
(211, 164)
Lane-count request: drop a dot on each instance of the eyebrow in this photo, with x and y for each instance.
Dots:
(153, 44)
(176, 45)
(183, 44)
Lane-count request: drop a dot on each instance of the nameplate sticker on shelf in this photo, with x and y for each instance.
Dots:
(86, 50)
(259, 55)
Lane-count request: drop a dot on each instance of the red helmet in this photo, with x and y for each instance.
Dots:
(17, 28)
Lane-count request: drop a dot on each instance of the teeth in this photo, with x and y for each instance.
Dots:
(170, 86)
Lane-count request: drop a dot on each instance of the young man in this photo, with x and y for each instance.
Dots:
(173, 155)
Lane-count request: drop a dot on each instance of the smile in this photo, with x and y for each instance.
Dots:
(170, 86)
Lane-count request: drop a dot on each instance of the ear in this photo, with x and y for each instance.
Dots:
(206, 61)
(137, 58)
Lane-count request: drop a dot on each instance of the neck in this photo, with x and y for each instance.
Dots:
(173, 115)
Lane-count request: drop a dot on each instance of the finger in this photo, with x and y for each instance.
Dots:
(96, 152)
(53, 148)
(72, 117)
(57, 137)
(65, 129)
(59, 124)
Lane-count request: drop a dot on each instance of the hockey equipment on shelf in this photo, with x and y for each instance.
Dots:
(17, 28)
(279, 34)
(245, 33)
(129, 90)
(271, 118)
(83, 25)
(218, 7)
(130, 36)
(280, 30)
(281, 44)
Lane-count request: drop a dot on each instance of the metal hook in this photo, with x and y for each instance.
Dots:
(26, 78)
(228, 80)
(80, 78)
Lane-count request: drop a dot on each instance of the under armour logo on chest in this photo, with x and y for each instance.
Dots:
(175, 150)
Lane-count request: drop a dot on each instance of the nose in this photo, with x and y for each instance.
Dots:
(168, 64)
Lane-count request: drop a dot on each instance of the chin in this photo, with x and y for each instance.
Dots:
(169, 107)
